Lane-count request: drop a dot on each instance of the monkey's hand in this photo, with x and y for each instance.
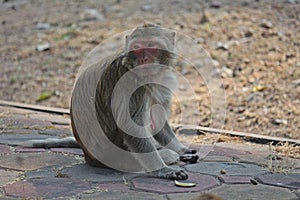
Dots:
(170, 173)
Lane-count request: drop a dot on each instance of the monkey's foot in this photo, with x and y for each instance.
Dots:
(190, 158)
(170, 173)
(177, 175)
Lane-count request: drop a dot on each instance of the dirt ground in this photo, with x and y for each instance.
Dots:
(254, 44)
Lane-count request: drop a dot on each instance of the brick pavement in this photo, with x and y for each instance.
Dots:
(232, 171)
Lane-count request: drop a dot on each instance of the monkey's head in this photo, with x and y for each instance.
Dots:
(150, 44)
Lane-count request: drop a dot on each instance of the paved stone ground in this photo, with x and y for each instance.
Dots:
(232, 171)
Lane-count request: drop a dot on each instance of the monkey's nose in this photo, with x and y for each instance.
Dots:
(144, 60)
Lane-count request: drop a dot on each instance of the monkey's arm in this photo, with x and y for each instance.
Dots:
(166, 137)
(51, 143)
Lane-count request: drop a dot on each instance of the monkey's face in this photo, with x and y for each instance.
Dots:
(150, 46)
(147, 51)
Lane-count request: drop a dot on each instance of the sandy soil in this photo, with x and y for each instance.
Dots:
(254, 44)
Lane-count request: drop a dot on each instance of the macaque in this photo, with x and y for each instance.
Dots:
(147, 48)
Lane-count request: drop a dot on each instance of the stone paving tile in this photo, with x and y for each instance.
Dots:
(75, 151)
(214, 168)
(20, 135)
(4, 149)
(28, 150)
(204, 150)
(187, 196)
(217, 159)
(245, 191)
(46, 172)
(229, 152)
(260, 160)
(120, 187)
(257, 149)
(236, 179)
(282, 180)
(13, 111)
(56, 131)
(164, 186)
(115, 195)
(55, 119)
(32, 161)
(46, 188)
(15, 122)
(7, 176)
(94, 174)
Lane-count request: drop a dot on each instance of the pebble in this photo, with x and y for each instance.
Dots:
(43, 47)
(222, 46)
(296, 82)
(43, 26)
(227, 72)
(93, 14)
(215, 4)
(292, 1)
(146, 8)
(279, 121)
(266, 24)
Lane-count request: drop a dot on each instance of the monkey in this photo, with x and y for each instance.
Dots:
(146, 50)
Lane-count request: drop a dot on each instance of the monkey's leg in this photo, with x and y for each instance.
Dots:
(166, 137)
(169, 156)
(146, 145)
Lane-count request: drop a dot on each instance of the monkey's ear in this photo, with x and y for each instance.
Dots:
(171, 37)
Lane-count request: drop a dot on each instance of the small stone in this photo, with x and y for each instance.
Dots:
(266, 24)
(43, 47)
(292, 1)
(215, 4)
(215, 63)
(279, 121)
(222, 171)
(222, 46)
(248, 33)
(296, 82)
(43, 26)
(227, 72)
(146, 8)
(93, 14)
(253, 181)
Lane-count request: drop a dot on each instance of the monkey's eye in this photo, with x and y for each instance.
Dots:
(151, 45)
(136, 46)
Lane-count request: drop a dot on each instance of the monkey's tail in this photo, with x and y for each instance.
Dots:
(51, 143)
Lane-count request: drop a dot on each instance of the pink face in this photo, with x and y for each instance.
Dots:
(145, 50)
